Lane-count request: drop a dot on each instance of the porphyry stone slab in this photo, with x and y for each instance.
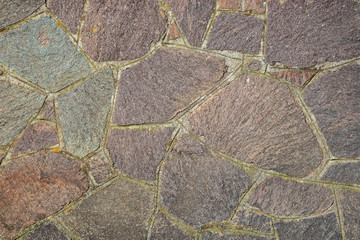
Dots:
(165, 230)
(48, 112)
(296, 77)
(34, 187)
(255, 119)
(236, 32)
(344, 172)
(47, 231)
(350, 207)
(157, 88)
(83, 113)
(199, 187)
(138, 153)
(252, 221)
(119, 211)
(43, 54)
(121, 30)
(254, 5)
(17, 106)
(324, 30)
(98, 167)
(334, 100)
(213, 236)
(288, 198)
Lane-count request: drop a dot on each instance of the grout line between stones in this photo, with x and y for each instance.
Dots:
(338, 212)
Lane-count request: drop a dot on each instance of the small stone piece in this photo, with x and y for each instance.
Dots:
(158, 88)
(138, 153)
(48, 112)
(288, 198)
(118, 211)
(173, 32)
(252, 221)
(213, 236)
(323, 227)
(350, 202)
(296, 77)
(344, 172)
(36, 136)
(165, 230)
(254, 5)
(253, 65)
(47, 232)
(83, 111)
(334, 100)
(199, 187)
(236, 32)
(34, 187)
(98, 168)
(17, 106)
(229, 4)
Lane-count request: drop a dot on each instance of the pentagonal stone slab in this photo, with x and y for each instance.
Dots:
(165, 230)
(159, 87)
(47, 231)
(256, 120)
(344, 172)
(41, 52)
(334, 100)
(83, 111)
(350, 207)
(324, 30)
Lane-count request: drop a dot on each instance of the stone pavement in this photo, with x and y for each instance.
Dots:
(180, 119)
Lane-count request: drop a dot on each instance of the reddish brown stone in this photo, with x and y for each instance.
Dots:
(165, 230)
(214, 236)
(296, 77)
(288, 198)
(120, 29)
(254, 5)
(173, 32)
(256, 120)
(166, 83)
(34, 187)
(48, 112)
(350, 206)
(98, 168)
(230, 4)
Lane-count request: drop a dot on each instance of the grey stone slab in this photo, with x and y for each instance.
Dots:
(47, 231)
(350, 207)
(344, 172)
(165, 230)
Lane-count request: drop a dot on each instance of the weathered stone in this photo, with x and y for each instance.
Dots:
(252, 221)
(324, 30)
(254, 5)
(199, 187)
(229, 4)
(48, 112)
(296, 77)
(193, 17)
(253, 65)
(256, 120)
(68, 11)
(322, 227)
(119, 211)
(41, 52)
(15, 10)
(289, 198)
(83, 112)
(17, 106)
(36, 136)
(46, 232)
(173, 32)
(334, 100)
(120, 29)
(344, 172)
(34, 187)
(138, 153)
(157, 88)
(236, 32)
(164, 230)
(98, 168)
(213, 236)
(350, 205)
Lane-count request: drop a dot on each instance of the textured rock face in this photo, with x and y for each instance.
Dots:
(164, 230)
(334, 100)
(166, 83)
(296, 77)
(252, 221)
(350, 205)
(230, 4)
(254, 5)
(98, 168)
(324, 30)
(48, 112)
(46, 232)
(346, 172)
(213, 236)
(270, 132)
(47, 57)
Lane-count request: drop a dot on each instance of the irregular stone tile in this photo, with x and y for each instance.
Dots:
(334, 100)
(17, 106)
(68, 11)
(254, 5)
(98, 168)
(164, 230)
(324, 30)
(252, 221)
(199, 187)
(157, 88)
(236, 32)
(83, 112)
(41, 52)
(213, 236)
(350, 205)
(344, 172)
(34, 187)
(193, 17)
(121, 30)
(138, 153)
(256, 120)
(288, 198)
(46, 232)
(296, 77)
(173, 32)
(229, 4)
(16, 10)
(323, 227)
(253, 65)
(48, 112)
(118, 211)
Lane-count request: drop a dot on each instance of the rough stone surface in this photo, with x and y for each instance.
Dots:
(46, 232)
(324, 30)
(159, 87)
(350, 206)
(41, 52)
(138, 153)
(83, 112)
(15, 10)
(165, 230)
(34, 187)
(229, 4)
(322, 227)
(48, 112)
(252, 221)
(288, 198)
(253, 65)
(121, 210)
(193, 17)
(344, 172)
(36, 136)
(334, 100)
(68, 11)
(199, 187)
(17, 106)
(121, 30)
(254, 5)
(296, 77)
(255, 120)
(213, 236)
(236, 32)
(98, 168)
(173, 32)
